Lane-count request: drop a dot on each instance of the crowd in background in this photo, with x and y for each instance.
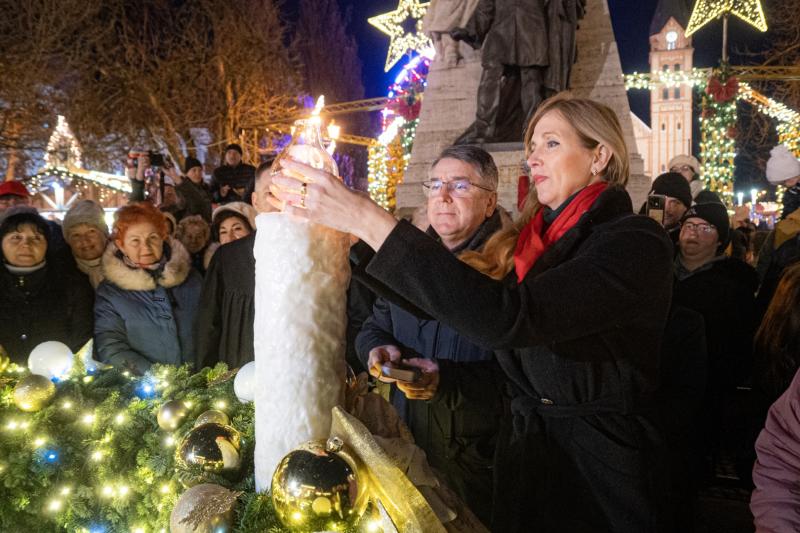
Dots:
(173, 282)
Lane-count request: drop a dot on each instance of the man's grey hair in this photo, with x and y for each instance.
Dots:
(479, 158)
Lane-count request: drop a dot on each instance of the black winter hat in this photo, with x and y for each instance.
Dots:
(190, 163)
(715, 214)
(234, 146)
(674, 185)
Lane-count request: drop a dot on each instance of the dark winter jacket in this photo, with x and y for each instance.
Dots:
(239, 177)
(457, 435)
(140, 320)
(579, 344)
(227, 310)
(196, 198)
(50, 304)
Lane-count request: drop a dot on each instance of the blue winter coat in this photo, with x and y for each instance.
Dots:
(139, 322)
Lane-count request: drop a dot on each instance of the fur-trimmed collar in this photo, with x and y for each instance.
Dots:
(175, 272)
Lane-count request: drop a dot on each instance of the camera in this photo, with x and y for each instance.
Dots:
(656, 207)
(156, 159)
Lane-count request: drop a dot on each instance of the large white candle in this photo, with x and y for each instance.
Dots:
(302, 272)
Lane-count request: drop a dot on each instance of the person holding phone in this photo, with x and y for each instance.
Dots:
(668, 199)
(573, 298)
(456, 433)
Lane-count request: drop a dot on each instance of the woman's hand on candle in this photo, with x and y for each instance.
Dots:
(329, 202)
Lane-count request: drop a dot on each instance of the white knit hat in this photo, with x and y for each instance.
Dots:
(85, 212)
(782, 165)
(246, 211)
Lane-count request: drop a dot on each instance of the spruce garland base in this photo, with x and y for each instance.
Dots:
(94, 460)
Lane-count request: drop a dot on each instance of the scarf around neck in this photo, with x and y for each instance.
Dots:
(535, 239)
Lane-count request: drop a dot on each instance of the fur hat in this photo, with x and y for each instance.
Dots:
(190, 163)
(683, 159)
(85, 212)
(246, 211)
(782, 165)
(234, 146)
(674, 185)
(715, 214)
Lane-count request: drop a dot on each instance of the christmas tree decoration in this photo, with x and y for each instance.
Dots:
(316, 487)
(205, 508)
(243, 382)
(212, 416)
(52, 359)
(706, 11)
(212, 446)
(171, 415)
(33, 392)
(394, 24)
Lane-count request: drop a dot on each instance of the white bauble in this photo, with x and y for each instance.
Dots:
(52, 359)
(243, 383)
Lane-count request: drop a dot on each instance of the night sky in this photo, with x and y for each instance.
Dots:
(631, 21)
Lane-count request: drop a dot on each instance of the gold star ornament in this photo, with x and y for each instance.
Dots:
(705, 11)
(404, 28)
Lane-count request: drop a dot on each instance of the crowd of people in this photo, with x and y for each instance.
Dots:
(581, 368)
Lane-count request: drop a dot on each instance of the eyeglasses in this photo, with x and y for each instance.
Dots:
(700, 228)
(458, 188)
(682, 168)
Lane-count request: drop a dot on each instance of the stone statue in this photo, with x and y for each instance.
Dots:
(528, 48)
(441, 17)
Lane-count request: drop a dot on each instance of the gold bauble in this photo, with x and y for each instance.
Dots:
(215, 447)
(5, 359)
(209, 506)
(319, 487)
(212, 416)
(171, 415)
(33, 392)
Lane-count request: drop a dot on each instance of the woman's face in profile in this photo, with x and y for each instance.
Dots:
(560, 164)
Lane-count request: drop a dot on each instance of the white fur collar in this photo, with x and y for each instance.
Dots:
(136, 279)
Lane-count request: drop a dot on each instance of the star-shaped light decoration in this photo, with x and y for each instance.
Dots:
(404, 27)
(705, 11)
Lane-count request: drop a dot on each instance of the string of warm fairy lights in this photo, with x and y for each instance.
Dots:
(706, 11)
(718, 119)
(394, 24)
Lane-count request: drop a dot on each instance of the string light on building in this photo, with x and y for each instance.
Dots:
(394, 24)
(706, 11)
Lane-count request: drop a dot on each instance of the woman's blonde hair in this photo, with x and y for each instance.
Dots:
(595, 124)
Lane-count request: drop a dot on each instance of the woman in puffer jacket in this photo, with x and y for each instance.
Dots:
(144, 310)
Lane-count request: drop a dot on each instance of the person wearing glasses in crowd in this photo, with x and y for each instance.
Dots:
(573, 298)
(710, 283)
(456, 434)
(689, 167)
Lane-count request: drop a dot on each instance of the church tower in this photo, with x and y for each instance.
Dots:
(670, 106)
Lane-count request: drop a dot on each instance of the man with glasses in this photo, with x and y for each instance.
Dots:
(456, 433)
(689, 167)
(712, 284)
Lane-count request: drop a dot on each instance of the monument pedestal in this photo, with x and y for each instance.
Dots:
(449, 105)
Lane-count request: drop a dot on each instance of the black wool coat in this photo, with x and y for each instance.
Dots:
(579, 344)
(51, 304)
(224, 322)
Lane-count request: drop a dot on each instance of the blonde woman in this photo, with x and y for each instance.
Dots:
(573, 299)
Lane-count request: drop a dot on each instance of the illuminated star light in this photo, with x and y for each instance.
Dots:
(391, 24)
(705, 11)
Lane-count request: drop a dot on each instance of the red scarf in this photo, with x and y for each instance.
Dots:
(532, 243)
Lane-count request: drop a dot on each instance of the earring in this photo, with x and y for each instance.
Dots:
(594, 172)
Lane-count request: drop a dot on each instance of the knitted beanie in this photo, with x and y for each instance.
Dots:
(782, 165)
(85, 212)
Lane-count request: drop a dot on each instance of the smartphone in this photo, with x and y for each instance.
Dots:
(407, 374)
(656, 206)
